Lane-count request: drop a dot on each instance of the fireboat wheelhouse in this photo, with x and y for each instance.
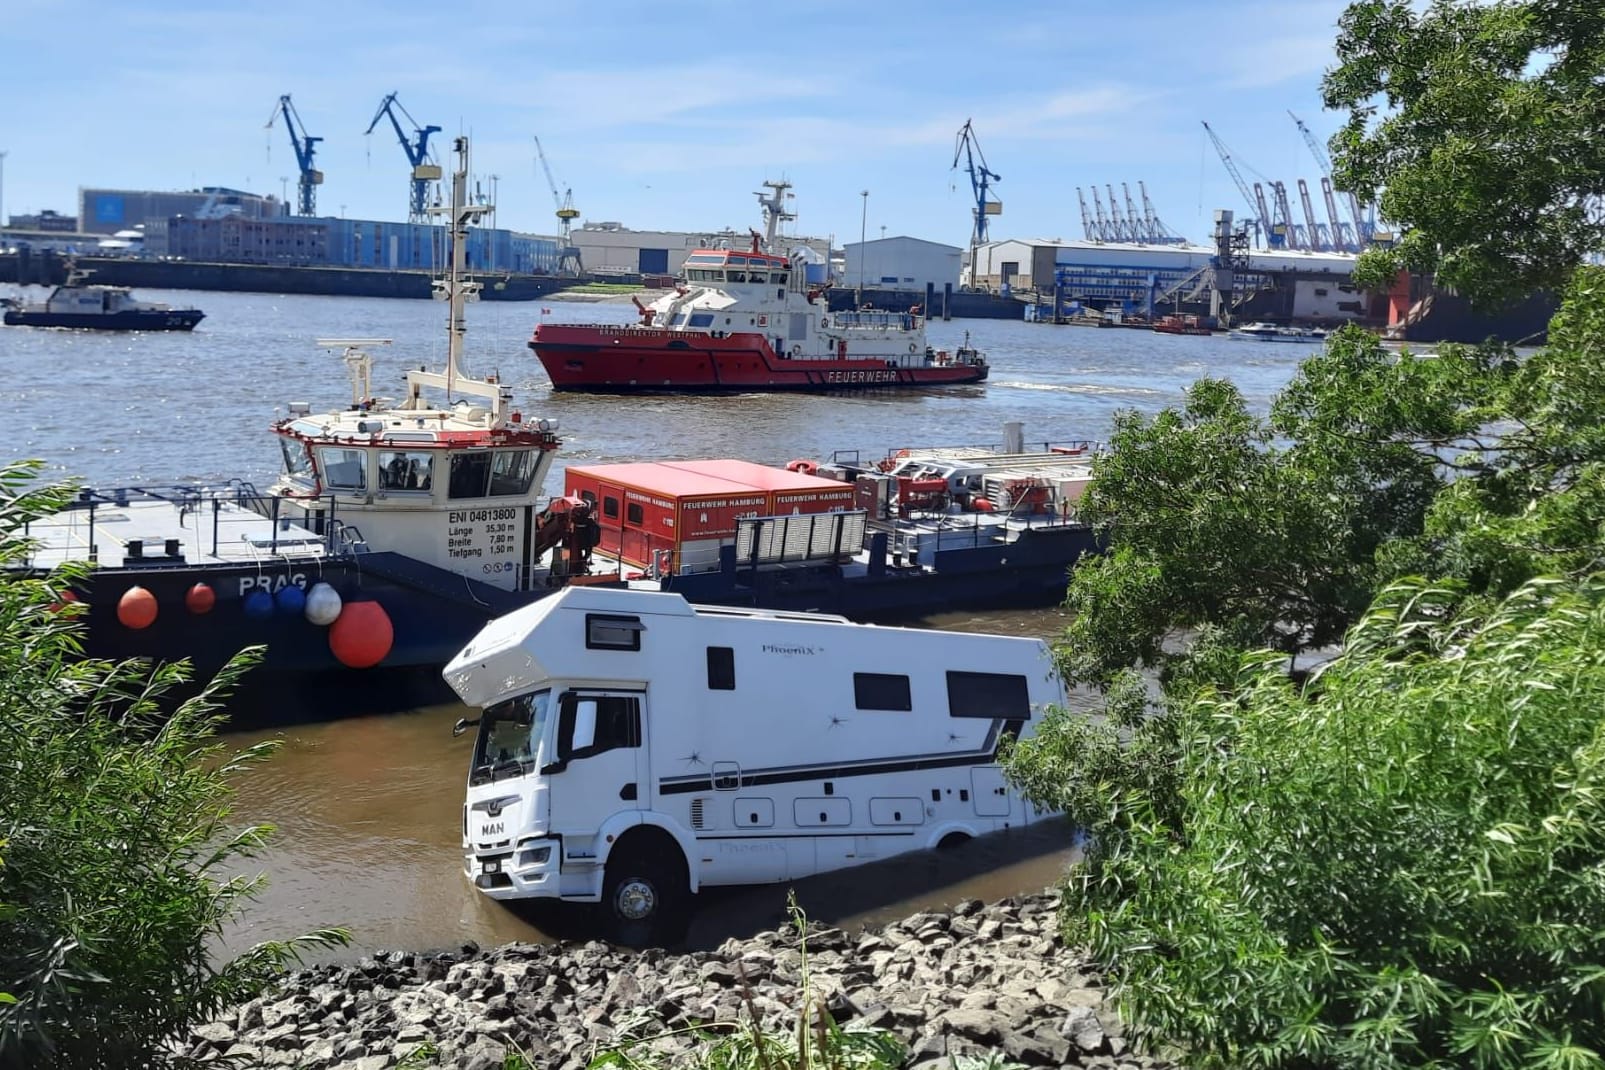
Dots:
(748, 320)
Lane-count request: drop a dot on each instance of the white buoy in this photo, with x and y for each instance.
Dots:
(323, 604)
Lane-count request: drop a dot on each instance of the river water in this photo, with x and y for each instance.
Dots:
(368, 809)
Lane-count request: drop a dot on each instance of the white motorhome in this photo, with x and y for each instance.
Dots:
(634, 748)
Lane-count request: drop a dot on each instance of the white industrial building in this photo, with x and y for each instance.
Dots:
(614, 249)
(901, 263)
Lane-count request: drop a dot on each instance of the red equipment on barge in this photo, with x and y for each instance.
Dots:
(749, 320)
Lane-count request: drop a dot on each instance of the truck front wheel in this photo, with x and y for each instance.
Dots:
(645, 896)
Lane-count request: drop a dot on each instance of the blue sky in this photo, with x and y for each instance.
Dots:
(668, 115)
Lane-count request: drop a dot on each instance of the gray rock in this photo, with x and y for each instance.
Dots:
(1082, 1028)
(217, 1033)
(980, 1025)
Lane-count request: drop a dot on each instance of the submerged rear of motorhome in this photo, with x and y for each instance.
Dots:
(633, 748)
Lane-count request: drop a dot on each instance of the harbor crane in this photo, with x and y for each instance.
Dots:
(424, 169)
(1089, 229)
(1256, 205)
(306, 146)
(1361, 232)
(568, 257)
(968, 149)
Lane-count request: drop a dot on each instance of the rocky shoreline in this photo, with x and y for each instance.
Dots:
(976, 979)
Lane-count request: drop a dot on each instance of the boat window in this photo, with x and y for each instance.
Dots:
(404, 471)
(297, 461)
(606, 631)
(881, 691)
(988, 694)
(702, 319)
(588, 497)
(510, 737)
(588, 725)
(632, 513)
(738, 276)
(721, 668)
(778, 277)
(737, 260)
(345, 469)
(610, 507)
(511, 472)
(758, 276)
(470, 474)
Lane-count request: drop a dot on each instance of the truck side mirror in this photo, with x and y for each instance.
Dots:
(463, 724)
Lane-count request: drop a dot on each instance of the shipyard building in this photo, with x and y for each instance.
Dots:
(901, 263)
(233, 226)
(1130, 274)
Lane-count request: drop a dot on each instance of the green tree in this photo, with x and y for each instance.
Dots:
(1268, 529)
(1395, 865)
(1395, 862)
(114, 808)
(1482, 128)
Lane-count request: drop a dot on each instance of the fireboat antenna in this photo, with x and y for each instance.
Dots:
(459, 291)
(774, 210)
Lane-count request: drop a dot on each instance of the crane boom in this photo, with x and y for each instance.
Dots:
(1350, 201)
(1139, 233)
(1122, 231)
(305, 146)
(1264, 212)
(1088, 228)
(1237, 177)
(968, 149)
(1342, 237)
(1311, 227)
(424, 170)
(1103, 221)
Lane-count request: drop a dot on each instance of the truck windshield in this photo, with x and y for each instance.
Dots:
(510, 737)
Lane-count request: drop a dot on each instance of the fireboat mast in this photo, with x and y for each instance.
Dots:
(774, 210)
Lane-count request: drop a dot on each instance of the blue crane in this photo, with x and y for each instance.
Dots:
(424, 169)
(305, 146)
(969, 150)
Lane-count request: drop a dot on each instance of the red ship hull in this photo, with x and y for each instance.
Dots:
(623, 360)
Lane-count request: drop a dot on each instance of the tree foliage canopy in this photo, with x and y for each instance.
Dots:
(114, 807)
(1395, 862)
(1482, 125)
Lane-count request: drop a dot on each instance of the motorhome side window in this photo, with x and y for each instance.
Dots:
(721, 668)
(988, 694)
(470, 474)
(588, 725)
(604, 631)
(881, 691)
(345, 469)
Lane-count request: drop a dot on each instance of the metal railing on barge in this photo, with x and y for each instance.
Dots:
(285, 536)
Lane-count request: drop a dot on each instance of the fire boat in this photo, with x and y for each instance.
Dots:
(748, 320)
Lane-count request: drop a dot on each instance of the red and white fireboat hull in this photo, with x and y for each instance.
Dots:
(620, 360)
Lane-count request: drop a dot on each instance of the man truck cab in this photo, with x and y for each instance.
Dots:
(633, 748)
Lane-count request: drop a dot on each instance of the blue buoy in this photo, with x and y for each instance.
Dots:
(290, 599)
(259, 605)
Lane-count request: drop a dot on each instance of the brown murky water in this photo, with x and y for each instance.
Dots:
(368, 810)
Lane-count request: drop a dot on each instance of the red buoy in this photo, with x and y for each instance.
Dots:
(136, 609)
(67, 595)
(200, 599)
(361, 636)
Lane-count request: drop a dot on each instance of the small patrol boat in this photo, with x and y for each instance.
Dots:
(79, 304)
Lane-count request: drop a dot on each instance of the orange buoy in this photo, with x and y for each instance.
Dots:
(200, 599)
(136, 609)
(362, 635)
(67, 595)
